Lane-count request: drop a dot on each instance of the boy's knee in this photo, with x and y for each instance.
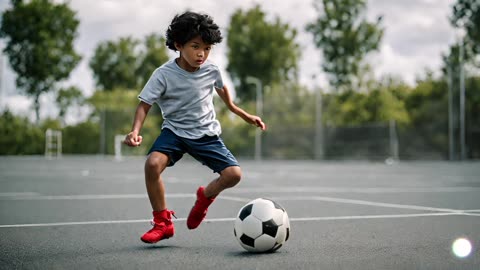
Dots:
(232, 175)
(156, 162)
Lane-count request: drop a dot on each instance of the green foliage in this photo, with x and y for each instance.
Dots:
(114, 100)
(237, 135)
(50, 123)
(290, 117)
(356, 108)
(472, 86)
(127, 63)
(67, 97)
(288, 135)
(260, 49)
(40, 37)
(427, 106)
(345, 38)
(114, 112)
(82, 138)
(466, 15)
(113, 64)
(19, 137)
(151, 57)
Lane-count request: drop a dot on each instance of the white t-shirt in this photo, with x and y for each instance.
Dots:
(185, 98)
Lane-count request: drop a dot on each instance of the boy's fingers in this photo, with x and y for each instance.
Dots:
(132, 141)
(259, 123)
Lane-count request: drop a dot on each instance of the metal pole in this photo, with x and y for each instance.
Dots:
(259, 112)
(318, 125)
(3, 103)
(102, 131)
(393, 140)
(451, 145)
(462, 104)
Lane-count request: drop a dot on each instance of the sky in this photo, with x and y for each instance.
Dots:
(417, 33)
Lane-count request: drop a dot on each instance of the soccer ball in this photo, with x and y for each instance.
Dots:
(262, 225)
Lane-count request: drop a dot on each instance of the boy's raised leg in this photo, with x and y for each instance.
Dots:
(229, 177)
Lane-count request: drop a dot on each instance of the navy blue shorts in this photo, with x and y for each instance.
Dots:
(209, 150)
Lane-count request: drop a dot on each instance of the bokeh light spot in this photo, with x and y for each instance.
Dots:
(461, 247)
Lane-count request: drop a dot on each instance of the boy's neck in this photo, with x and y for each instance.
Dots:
(183, 65)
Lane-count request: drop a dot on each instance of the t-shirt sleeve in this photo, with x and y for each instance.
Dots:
(218, 79)
(153, 89)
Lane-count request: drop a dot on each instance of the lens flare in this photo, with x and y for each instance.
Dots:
(461, 247)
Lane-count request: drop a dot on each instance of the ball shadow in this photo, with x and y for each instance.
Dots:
(247, 254)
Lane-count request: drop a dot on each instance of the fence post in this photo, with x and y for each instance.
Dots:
(393, 140)
(318, 125)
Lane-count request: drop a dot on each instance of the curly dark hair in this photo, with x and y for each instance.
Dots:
(188, 25)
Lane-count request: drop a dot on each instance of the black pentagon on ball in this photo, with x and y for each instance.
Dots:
(288, 234)
(269, 227)
(275, 204)
(247, 240)
(246, 211)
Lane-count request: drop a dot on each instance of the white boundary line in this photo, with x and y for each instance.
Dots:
(362, 202)
(233, 198)
(214, 220)
(33, 196)
(437, 211)
(371, 190)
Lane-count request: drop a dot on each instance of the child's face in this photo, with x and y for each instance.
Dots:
(193, 54)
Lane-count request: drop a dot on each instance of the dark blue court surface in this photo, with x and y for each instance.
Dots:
(89, 213)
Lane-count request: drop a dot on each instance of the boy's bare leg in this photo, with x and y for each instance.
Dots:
(228, 178)
(163, 227)
(154, 166)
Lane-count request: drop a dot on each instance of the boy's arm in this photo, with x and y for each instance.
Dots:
(133, 138)
(251, 119)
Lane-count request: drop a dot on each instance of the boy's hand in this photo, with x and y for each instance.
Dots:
(257, 121)
(133, 139)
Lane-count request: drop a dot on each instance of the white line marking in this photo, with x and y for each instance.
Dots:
(235, 199)
(213, 220)
(380, 190)
(361, 202)
(93, 196)
(15, 194)
(74, 223)
(374, 217)
(36, 196)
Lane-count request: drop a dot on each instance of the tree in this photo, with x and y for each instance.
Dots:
(466, 15)
(345, 38)
(19, 137)
(40, 37)
(261, 49)
(68, 97)
(114, 63)
(127, 63)
(154, 54)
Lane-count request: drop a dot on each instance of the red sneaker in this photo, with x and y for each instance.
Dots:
(162, 227)
(199, 209)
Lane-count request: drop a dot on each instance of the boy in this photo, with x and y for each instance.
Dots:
(183, 89)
